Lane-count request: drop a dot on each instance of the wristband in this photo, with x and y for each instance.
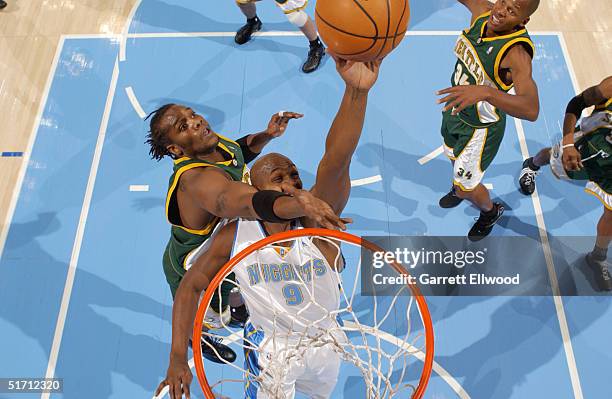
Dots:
(263, 204)
(247, 154)
(568, 145)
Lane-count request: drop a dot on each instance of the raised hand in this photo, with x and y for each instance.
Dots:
(278, 122)
(571, 159)
(178, 379)
(358, 75)
(317, 210)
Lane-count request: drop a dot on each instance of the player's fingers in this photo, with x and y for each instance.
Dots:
(452, 104)
(347, 220)
(292, 115)
(276, 117)
(445, 91)
(171, 391)
(447, 98)
(186, 390)
(160, 387)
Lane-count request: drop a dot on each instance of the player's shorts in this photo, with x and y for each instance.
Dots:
(473, 149)
(600, 187)
(314, 374)
(288, 6)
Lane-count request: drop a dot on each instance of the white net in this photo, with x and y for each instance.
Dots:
(313, 325)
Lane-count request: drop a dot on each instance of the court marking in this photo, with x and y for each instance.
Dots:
(126, 31)
(550, 266)
(135, 103)
(139, 187)
(28, 152)
(365, 181)
(76, 249)
(385, 336)
(432, 155)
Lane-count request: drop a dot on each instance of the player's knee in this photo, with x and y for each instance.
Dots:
(298, 18)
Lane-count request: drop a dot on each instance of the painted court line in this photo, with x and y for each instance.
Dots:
(366, 180)
(558, 300)
(76, 249)
(435, 153)
(26, 159)
(135, 103)
(126, 30)
(141, 187)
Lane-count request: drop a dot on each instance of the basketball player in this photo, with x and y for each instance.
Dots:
(294, 10)
(3, 4)
(494, 55)
(315, 374)
(584, 153)
(210, 184)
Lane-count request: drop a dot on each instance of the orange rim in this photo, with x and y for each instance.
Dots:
(310, 232)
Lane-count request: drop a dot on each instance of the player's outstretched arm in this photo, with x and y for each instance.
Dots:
(333, 182)
(184, 310)
(594, 95)
(214, 192)
(276, 128)
(476, 7)
(525, 104)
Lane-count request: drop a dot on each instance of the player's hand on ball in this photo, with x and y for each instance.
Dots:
(278, 122)
(358, 75)
(178, 379)
(316, 209)
(461, 97)
(571, 159)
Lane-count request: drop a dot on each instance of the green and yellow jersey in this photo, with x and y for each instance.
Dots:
(183, 240)
(478, 63)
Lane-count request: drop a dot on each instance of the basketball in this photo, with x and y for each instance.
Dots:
(362, 30)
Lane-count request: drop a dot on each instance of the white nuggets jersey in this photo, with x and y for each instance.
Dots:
(285, 288)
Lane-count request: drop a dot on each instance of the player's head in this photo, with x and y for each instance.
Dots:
(177, 131)
(272, 171)
(509, 15)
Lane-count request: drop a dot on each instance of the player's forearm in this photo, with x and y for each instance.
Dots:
(520, 106)
(257, 141)
(288, 208)
(183, 315)
(569, 124)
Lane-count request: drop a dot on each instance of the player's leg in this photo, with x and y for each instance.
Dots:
(450, 136)
(475, 152)
(597, 258)
(294, 10)
(253, 23)
(531, 168)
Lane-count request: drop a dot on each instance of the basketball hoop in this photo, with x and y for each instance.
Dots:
(366, 346)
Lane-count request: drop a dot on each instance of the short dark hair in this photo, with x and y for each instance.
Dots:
(157, 137)
(532, 6)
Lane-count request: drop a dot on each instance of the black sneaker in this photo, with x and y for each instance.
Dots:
(315, 55)
(246, 31)
(602, 274)
(484, 224)
(226, 354)
(527, 179)
(450, 200)
(240, 315)
(2, 4)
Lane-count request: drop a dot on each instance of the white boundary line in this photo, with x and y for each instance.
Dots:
(434, 154)
(126, 31)
(139, 187)
(552, 274)
(568, 61)
(76, 249)
(385, 336)
(365, 181)
(28, 152)
(135, 103)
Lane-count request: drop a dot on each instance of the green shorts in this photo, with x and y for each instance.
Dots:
(471, 148)
(174, 277)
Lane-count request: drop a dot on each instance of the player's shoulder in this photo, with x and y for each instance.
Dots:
(205, 174)
(518, 54)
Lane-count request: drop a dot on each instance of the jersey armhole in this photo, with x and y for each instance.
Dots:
(527, 45)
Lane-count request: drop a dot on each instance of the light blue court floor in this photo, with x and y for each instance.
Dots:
(91, 203)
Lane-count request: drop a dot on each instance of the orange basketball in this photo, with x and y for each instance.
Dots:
(362, 30)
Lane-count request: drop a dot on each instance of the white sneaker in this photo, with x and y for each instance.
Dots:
(214, 320)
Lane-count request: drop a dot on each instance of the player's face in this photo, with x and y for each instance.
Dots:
(189, 133)
(507, 15)
(280, 172)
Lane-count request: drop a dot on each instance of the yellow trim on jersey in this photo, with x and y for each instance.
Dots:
(456, 183)
(486, 14)
(603, 106)
(296, 9)
(177, 161)
(177, 176)
(227, 139)
(598, 196)
(500, 55)
(508, 36)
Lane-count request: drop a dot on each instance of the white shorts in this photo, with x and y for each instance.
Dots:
(288, 6)
(314, 374)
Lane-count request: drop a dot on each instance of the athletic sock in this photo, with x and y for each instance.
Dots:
(316, 43)
(599, 254)
(532, 165)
